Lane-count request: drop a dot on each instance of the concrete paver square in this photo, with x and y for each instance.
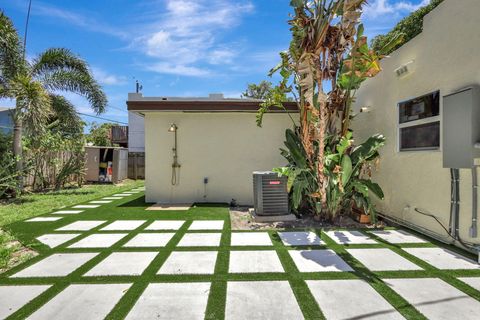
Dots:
(318, 261)
(442, 258)
(254, 262)
(99, 240)
(397, 236)
(56, 265)
(150, 240)
(122, 195)
(123, 264)
(251, 239)
(68, 212)
(177, 301)
(300, 238)
(166, 225)
(382, 260)
(55, 239)
(82, 302)
(200, 240)
(436, 299)
(190, 262)
(82, 225)
(261, 300)
(123, 225)
(13, 298)
(100, 201)
(359, 300)
(86, 206)
(473, 282)
(112, 198)
(349, 237)
(43, 219)
(206, 225)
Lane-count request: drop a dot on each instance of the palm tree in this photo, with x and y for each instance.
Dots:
(34, 84)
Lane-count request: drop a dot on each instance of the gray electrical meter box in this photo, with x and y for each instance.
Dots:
(461, 128)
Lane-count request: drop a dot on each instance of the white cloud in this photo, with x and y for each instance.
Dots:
(179, 69)
(108, 79)
(83, 21)
(221, 56)
(189, 33)
(377, 8)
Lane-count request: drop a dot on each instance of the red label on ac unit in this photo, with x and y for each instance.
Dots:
(274, 182)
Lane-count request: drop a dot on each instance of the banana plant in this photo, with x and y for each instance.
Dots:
(346, 167)
(326, 62)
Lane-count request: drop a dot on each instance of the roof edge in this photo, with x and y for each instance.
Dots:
(204, 106)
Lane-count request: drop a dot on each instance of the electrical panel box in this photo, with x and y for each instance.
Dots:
(461, 128)
(270, 194)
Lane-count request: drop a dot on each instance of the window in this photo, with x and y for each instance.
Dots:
(419, 123)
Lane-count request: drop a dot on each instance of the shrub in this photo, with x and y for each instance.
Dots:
(410, 27)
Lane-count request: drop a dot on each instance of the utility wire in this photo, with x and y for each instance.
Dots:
(116, 108)
(101, 118)
(26, 29)
(463, 243)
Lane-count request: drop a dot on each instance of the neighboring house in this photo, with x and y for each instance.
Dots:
(136, 133)
(6, 122)
(218, 142)
(136, 145)
(440, 60)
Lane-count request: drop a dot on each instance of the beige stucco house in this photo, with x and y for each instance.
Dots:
(442, 59)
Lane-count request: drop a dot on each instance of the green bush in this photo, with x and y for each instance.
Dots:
(409, 26)
(57, 160)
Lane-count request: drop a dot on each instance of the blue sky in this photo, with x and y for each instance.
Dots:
(173, 47)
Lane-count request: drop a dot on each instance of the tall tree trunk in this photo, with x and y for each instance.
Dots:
(18, 151)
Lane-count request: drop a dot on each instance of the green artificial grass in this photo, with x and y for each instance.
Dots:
(133, 207)
(34, 204)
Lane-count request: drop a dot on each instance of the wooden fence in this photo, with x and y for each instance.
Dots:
(55, 169)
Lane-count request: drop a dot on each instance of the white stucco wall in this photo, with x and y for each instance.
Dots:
(136, 133)
(224, 147)
(446, 59)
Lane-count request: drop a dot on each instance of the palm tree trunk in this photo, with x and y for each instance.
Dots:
(18, 151)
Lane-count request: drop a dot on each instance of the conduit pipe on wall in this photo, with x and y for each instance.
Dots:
(473, 228)
(454, 203)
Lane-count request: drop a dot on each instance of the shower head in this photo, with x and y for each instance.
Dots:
(173, 128)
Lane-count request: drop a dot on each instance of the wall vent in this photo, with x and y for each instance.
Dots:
(405, 69)
(270, 194)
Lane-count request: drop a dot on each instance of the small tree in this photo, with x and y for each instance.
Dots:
(258, 91)
(328, 49)
(99, 134)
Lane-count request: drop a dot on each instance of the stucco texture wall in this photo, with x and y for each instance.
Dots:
(223, 147)
(446, 59)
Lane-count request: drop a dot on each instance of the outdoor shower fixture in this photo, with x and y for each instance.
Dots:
(175, 180)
